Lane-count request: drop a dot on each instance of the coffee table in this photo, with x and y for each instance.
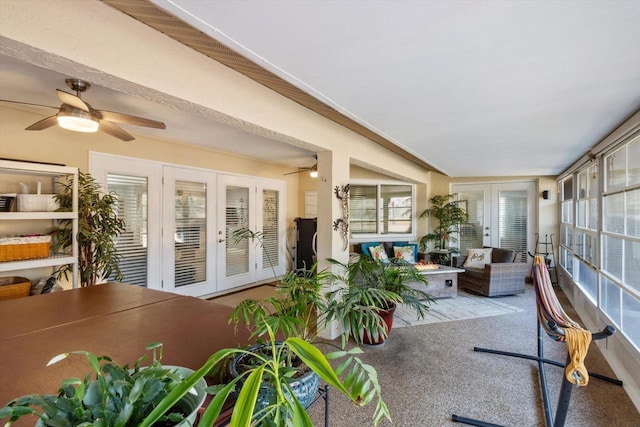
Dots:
(443, 281)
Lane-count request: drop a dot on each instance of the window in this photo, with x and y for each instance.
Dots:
(619, 275)
(381, 209)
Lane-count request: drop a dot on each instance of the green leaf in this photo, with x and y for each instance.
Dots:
(246, 401)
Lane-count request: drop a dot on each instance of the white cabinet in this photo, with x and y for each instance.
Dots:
(21, 223)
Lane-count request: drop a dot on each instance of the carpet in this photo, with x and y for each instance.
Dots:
(464, 306)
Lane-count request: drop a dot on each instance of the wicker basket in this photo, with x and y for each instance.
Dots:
(26, 247)
(14, 287)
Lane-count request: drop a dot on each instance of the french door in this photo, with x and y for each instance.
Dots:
(180, 221)
(188, 259)
(500, 215)
(256, 205)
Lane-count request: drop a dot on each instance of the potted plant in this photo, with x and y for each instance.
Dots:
(367, 293)
(353, 378)
(449, 215)
(113, 395)
(292, 365)
(98, 226)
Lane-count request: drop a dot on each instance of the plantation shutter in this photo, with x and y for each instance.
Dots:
(132, 243)
(270, 221)
(190, 233)
(237, 215)
(513, 222)
(471, 232)
(362, 209)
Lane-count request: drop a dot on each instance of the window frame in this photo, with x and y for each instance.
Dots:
(378, 235)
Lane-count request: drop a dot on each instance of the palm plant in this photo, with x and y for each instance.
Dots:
(367, 287)
(449, 215)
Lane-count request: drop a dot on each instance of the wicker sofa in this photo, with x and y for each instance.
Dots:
(502, 276)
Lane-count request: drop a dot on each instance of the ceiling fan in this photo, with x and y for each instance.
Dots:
(313, 170)
(77, 115)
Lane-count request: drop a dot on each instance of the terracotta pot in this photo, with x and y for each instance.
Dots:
(387, 317)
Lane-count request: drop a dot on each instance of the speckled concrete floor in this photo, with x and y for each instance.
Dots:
(430, 372)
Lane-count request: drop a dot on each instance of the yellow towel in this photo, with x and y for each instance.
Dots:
(578, 341)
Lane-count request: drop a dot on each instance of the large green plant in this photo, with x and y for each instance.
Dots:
(449, 215)
(366, 286)
(112, 396)
(98, 226)
(294, 313)
(356, 380)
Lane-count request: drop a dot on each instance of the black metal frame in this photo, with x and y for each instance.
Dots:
(565, 389)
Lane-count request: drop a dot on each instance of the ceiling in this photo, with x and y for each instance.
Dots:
(470, 88)
(475, 88)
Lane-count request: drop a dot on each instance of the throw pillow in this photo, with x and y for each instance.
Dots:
(405, 252)
(378, 253)
(477, 258)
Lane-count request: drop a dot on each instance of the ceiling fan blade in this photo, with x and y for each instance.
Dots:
(28, 104)
(44, 123)
(298, 171)
(74, 101)
(115, 131)
(128, 119)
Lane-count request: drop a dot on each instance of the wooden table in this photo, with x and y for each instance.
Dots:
(114, 319)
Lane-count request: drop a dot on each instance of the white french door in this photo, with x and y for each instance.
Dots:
(180, 222)
(236, 199)
(258, 205)
(500, 215)
(188, 259)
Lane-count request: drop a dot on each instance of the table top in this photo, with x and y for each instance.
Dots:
(442, 269)
(112, 319)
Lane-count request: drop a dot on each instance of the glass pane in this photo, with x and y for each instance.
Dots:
(396, 209)
(567, 212)
(190, 233)
(270, 238)
(632, 264)
(633, 152)
(610, 299)
(132, 243)
(583, 179)
(578, 250)
(237, 253)
(586, 278)
(633, 212)
(612, 256)
(567, 189)
(630, 316)
(471, 232)
(512, 208)
(615, 170)
(593, 214)
(613, 213)
(362, 209)
(581, 213)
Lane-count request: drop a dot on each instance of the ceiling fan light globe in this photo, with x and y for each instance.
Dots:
(313, 174)
(77, 122)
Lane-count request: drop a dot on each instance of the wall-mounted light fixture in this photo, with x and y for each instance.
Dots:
(545, 194)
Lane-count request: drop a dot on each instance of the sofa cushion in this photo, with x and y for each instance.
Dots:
(503, 255)
(379, 253)
(364, 247)
(408, 253)
(477, 258)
